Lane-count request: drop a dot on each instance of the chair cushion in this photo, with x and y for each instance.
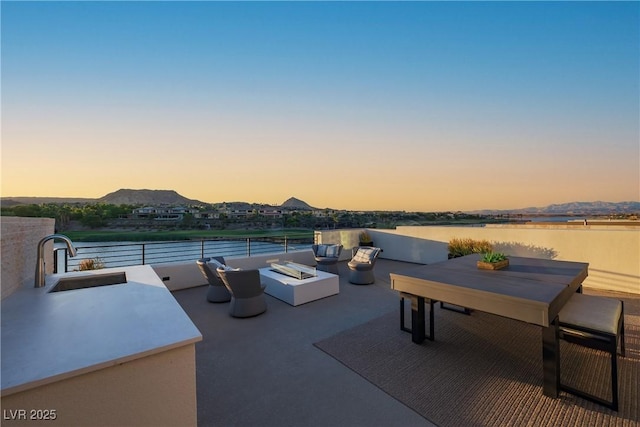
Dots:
(321, 250)
(593, 312)
(365, 255)
(332, 251)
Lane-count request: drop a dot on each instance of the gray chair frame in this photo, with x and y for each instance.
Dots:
(325, 263)
(361, 273)
(247, 293)
(217, 291)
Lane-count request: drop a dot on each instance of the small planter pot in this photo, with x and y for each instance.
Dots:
(493, 265)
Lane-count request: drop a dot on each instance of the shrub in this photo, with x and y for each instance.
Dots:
(461, 247)
(91, 264)
(364, 237)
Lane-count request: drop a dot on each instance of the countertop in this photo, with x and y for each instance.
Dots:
(47, 337)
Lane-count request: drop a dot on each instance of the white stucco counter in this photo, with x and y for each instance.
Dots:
(49, 337)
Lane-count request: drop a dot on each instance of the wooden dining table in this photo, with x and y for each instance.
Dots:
(530, 290)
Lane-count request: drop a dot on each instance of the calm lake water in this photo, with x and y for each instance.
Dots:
(555, 218)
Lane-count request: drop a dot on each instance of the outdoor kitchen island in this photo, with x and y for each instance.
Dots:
(122, 354)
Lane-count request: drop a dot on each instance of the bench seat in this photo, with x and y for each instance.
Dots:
(595, 322)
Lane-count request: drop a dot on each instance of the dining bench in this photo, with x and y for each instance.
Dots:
(595, 322)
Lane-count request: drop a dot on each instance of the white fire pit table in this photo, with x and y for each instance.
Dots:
(296, 291)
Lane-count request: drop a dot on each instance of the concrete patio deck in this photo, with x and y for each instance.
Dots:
(265, 371)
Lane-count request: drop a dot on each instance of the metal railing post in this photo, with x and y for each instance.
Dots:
(286, 244)
(143, 253)
(248, 246)
(56, 257)
(202, 248)
(55, 261)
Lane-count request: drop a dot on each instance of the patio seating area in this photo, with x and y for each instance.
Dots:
(266, 370)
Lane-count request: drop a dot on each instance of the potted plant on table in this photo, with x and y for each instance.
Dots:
(365, 239)
(493, 261)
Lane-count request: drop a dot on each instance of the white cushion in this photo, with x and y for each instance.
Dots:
(365, 255)
(332, 251)
(593, 312)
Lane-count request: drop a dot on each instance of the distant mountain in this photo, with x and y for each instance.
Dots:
(120, 197)
(573, 208)
(147, 197)
(14, 201)
(172, 198)
(293, 203)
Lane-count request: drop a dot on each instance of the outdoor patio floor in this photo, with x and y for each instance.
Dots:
(265, 371)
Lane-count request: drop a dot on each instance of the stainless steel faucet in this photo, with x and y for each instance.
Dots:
(40, 264)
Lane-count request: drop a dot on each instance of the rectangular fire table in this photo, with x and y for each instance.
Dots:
(296, 291)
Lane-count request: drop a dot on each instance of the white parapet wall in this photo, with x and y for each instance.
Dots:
(185, 275)
(613, 252)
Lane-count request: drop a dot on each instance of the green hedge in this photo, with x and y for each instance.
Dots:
(461, 247)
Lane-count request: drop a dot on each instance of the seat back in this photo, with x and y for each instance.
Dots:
(327, 250)
(209, 273)
(242, 283)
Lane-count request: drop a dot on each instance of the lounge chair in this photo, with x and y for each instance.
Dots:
(327, 257)
(247, 293)
(217, 291)
(361, 265)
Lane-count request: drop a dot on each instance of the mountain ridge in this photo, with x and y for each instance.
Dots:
(571, 208)
(292, 202)
(126, 196)
(171, 197)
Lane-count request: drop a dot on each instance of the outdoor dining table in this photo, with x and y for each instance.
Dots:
(531, 290)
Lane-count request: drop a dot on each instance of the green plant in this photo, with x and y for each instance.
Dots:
(364, 237)
(466, 246)
(493, 257)
(91, 264)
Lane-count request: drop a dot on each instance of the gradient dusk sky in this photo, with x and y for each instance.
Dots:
(416, 106)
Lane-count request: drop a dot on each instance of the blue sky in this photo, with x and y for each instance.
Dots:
(358, 105)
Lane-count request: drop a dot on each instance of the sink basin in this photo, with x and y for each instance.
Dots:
(89, 281)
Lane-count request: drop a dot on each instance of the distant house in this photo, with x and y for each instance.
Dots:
(207, 215)
(270, 212)
(324, 213)
(162, 214)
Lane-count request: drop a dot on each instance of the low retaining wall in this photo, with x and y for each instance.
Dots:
(185, 275)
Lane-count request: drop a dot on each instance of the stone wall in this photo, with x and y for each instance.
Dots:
(19, 239)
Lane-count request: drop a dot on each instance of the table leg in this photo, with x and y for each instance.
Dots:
(551, 359)
(417, 319)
